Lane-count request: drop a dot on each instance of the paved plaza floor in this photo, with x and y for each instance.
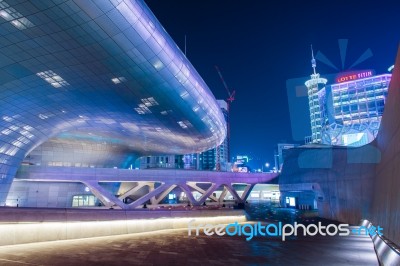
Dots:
(175, 247)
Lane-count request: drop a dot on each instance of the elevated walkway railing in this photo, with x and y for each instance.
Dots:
(388, 252)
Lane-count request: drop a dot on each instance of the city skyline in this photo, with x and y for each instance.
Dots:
(276, 40)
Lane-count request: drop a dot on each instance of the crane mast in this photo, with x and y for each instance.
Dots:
(229, 100)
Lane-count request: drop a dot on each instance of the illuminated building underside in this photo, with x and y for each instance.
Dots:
(96, 84)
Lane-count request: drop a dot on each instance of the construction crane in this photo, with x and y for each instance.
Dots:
(229, 100)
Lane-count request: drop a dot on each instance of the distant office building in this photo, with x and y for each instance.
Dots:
(241, 164)
(166, 161)
(348, 112)
(219, 156)
(353, 108)
(242, 159)
(207, 160)
(280, 155)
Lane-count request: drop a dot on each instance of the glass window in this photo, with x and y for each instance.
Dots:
(354, 107)
(371, 105)
(84, 201)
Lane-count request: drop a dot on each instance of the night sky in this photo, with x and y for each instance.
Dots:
(258, 45)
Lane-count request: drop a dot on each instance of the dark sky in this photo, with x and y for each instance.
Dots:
(258, 45)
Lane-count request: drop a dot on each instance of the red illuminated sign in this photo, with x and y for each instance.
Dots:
(350, 76)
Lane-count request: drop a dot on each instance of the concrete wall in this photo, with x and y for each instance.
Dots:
(343, 188)
(386, 201)
(355, 183)
(44, 194)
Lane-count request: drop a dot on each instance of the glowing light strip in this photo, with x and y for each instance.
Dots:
(14, 233)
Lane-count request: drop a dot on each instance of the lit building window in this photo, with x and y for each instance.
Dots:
(14, 17)
(7, 118)
(118, 80)
(166, 112)
(6, 131)
(52, 78)
(17, 143)
(15, 128)
(22, 23)
(149, 102)
(42, 116)
(84, 201)
(158, 65)
(142, 109)
(182, 124)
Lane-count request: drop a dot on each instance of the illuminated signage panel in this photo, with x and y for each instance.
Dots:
(350, 76)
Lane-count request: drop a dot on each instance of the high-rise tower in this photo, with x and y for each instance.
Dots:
(314, 86)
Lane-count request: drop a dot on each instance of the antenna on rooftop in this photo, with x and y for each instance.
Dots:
(185, 44)
(313, 62)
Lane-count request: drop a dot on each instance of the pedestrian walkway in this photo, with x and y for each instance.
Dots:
(175, 247)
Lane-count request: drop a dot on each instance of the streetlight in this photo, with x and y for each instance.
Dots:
(276, 157)
(266, 165)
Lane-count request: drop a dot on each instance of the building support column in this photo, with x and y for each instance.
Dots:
(234, 193)
(207, 194)
(246, 192)
(188, 193)
(202, 191)
(133, 190)
(108, 199)
(163, 195)
(148, 196)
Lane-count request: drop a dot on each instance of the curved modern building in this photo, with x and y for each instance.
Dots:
(96, 84)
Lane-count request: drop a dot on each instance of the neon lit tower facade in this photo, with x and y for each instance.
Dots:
(314, 86)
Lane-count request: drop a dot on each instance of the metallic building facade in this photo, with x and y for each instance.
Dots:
(96, 84)
(206, 160)
(348, 112)
(314, 87)
(354, 110)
